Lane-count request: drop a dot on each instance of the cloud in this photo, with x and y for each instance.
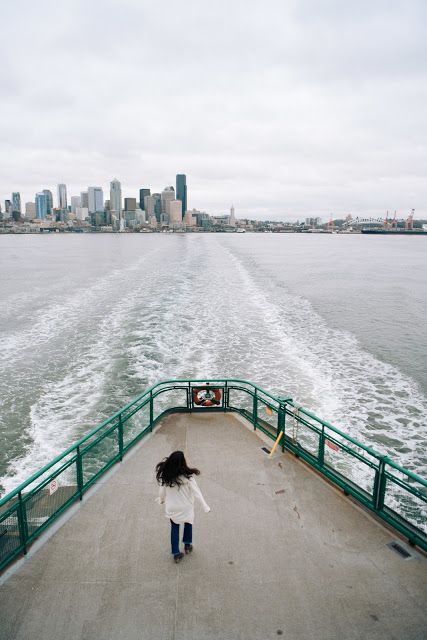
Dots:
(282, 108)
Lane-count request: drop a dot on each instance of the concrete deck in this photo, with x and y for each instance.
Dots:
(282, 553)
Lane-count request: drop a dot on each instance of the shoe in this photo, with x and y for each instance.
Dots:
(178, 557)
(188, 548)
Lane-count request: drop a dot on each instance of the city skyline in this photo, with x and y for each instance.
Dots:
(286, 109)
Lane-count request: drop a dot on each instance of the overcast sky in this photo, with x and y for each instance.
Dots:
(285, 108)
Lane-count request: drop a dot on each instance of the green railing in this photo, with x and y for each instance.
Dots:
(396, 495)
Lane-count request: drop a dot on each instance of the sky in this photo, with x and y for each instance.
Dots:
(286, 109)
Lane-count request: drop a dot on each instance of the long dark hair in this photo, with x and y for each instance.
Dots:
(169, 470)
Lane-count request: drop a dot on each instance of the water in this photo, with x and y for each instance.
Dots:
(89, 321)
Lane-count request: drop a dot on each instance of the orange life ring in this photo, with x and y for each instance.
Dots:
(207, 402)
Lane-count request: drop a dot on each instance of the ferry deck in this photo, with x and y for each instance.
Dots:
(282, 553)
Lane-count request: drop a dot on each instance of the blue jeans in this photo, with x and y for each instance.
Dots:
(187, 537)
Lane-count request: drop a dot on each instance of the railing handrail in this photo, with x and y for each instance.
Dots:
(226, 381)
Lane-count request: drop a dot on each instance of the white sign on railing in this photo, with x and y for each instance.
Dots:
(53, 486)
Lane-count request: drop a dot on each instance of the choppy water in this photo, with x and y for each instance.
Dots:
(87, 322)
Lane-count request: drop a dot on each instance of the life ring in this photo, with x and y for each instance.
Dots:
(199, 396)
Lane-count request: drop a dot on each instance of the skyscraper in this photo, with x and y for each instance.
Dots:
(62, 197)
(84, 200)
(168, 193)
(95, 199)
(232, 221)
(142, 194)
(16, 202)
(181, 191)
(116, 197)
(41, 206)
(130, 204)
(75, 203)
(49, 200)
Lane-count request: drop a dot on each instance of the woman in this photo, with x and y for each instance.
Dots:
(178, 488)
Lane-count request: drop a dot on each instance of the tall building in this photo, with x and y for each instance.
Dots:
(168, 193)
(174, 212)
(95, 199)
(16, 202)
(41, 206)
(130, 204)
(181, 191)
(84, 200)
(75, 203)
(62, 197)
(232, 221)
(30, 210)
(149, 206)
(157, 206)
(116, 197)
(49, 200)
(8, 207)
(143, 193)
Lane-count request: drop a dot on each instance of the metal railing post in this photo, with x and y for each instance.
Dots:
(189, 396)
(120, 437)
(380, 485)
(22, 523)
(79, 465)
(151, 411)
(281, 415)
(255, 409)
(321, 452)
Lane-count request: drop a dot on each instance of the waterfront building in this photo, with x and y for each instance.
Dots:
(84, 200)
(149, 206)
(7, 208)
(75, 203)
(157, 206)
(116, 197)
(313, 222)
(190, 219)
(168, 193)
(143, 193)
(181, 191)
(95, 199)
(41, 206)
(16, 202)
(49, 200)
(30, 210)
(174, 212)
(62, 197)
(130, 204)
(232, 221)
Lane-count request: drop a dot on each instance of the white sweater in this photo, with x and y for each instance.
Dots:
(179, 500)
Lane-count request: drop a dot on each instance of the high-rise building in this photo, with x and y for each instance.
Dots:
(232, 220)
(181, 191)
(168, 193)
(30, 210)
(84, 200)
(41, 206)
(143, 193)
(49, 200)
(75, 203)
(116, 197)
(16, 202)
(149, 206)
(8, 207)
(130, 204)
(95, 199)
(62, 197)
(157, 206)
(175, 212)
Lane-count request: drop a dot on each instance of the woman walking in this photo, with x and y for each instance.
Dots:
(178, 488)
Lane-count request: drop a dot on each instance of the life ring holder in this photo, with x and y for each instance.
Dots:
(206, 402)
